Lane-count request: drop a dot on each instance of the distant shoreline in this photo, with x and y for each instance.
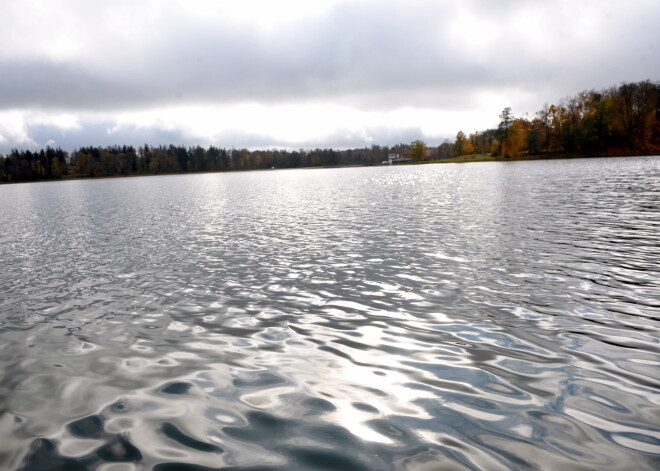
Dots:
(550, 156)
(472, 158)
(614, 122)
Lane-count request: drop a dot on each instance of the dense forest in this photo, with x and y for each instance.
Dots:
(48, 164)
(620, 120)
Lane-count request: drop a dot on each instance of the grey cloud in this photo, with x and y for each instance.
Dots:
(348, 54)
(107, 132)
(375, 135)
(370, 55)
(97, 133)
(38, 84)
(356, 54)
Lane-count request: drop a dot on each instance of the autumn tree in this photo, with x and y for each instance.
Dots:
(517, 142)
(417, 150)
(459, 144)
(477, 143)
(495, 148)
(637, 112)
(468, 147)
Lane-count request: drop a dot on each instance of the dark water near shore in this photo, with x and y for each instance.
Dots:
(489, 316)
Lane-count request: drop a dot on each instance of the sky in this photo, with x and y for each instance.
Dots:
(294, 74)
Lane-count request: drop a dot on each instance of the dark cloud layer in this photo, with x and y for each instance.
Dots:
(409, 53)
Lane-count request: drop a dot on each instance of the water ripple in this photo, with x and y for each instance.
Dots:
(492, 316)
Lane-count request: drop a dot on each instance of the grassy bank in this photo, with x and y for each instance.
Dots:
(550, 156)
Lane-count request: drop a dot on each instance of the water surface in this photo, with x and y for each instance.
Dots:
(492, 316)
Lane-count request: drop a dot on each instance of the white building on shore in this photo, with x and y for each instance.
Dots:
(394, 158)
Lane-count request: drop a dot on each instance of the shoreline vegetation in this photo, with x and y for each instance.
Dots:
(460, 159)
(619, 121)
(486, 157)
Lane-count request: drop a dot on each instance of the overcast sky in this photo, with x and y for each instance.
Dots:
(303, 74)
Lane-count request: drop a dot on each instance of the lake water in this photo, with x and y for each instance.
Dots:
(493, 316)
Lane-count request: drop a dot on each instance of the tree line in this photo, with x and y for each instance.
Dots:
(619, 120)
(49, 163)
(87, 162)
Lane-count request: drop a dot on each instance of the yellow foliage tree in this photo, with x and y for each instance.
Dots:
(495, 148)
(517, 141)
